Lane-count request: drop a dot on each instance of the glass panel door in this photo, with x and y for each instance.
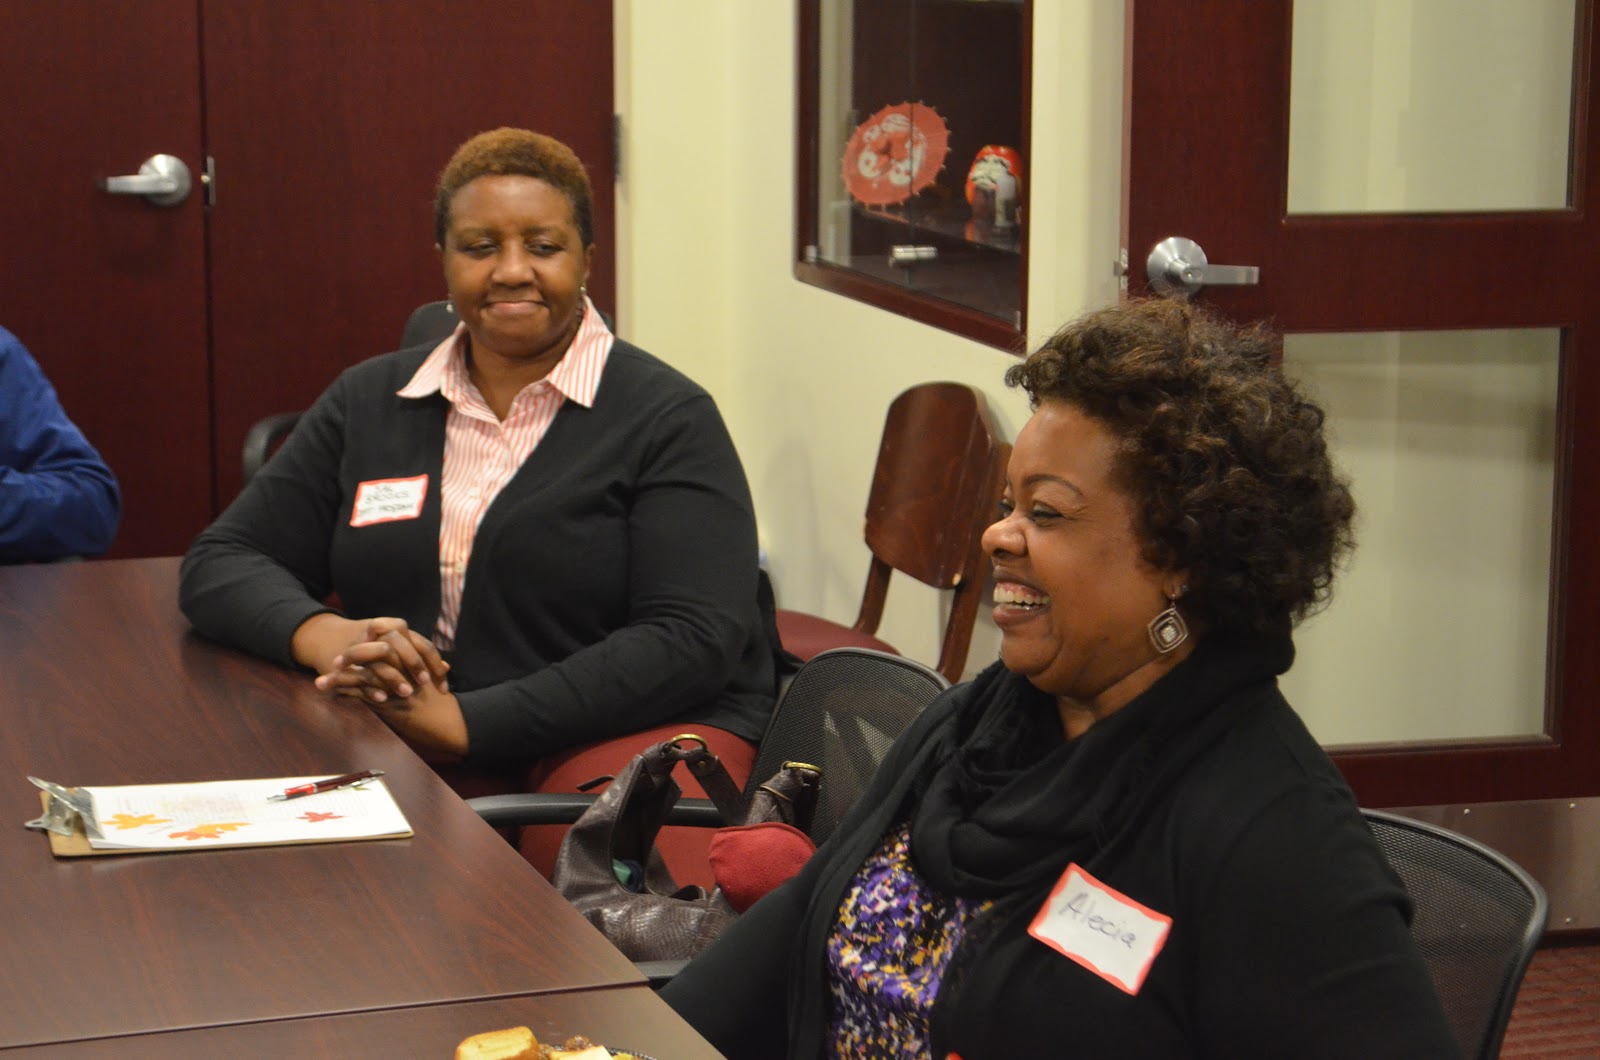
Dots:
(1439, 627)
(1421, 106)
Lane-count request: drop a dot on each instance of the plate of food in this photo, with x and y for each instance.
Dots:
(519, 1043)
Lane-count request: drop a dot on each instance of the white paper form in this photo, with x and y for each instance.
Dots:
(228, 813)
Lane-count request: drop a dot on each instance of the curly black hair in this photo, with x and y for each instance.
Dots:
(1224, 459)
(508, 152)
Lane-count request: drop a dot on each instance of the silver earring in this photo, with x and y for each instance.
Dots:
(1168, 629)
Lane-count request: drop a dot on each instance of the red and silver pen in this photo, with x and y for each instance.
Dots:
(349, 780)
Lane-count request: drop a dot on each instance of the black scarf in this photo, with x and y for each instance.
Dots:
(1010, 803)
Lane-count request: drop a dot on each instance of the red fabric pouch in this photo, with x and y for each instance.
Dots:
(749, 860)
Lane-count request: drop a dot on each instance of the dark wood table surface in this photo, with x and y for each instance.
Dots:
(623, 1018)
(103, 683)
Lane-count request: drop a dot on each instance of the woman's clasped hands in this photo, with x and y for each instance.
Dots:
(376, 659)
(393, 669)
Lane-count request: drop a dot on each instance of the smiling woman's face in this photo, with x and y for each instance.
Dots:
(515, 265)
(1073, 593)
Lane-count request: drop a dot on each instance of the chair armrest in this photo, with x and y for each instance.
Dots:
(698, 813)
(530, 808)
(565, 808)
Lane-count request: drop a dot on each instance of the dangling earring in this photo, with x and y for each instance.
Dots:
(1168, 629)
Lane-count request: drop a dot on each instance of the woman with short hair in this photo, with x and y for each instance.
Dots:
(540, 536)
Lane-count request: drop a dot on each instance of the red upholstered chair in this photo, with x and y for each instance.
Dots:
(840, 713)
(936, 486)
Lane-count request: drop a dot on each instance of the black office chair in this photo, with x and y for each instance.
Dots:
(840, 712)
(1478, 920)
(262, 440)
(430, 322)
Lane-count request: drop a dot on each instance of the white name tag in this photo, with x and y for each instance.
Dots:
(387, 500)
(1101, 928)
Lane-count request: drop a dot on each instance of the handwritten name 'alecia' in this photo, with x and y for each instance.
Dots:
(1083, 905)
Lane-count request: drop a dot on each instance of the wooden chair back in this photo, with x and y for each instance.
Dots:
(936, 486)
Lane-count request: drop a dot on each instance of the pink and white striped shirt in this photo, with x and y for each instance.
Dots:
(482, 452)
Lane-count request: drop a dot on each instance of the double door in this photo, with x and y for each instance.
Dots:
(312, 132)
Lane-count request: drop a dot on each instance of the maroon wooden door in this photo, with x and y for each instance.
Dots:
(108, 291)
(1207, 141)
(329, 122)
(168, 331)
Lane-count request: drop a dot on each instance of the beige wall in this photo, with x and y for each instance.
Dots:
(707, 88)
(706, 244)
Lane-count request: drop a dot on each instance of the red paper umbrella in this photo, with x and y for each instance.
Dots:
(895, 153)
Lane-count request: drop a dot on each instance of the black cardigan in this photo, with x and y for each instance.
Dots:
(1288, 938)
(611, 586)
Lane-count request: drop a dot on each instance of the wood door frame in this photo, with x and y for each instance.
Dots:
(1511, 251)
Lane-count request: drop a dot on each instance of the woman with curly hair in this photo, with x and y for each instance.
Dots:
(540, 536)
(1118, 841)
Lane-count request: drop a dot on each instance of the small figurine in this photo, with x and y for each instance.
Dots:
(994, 185)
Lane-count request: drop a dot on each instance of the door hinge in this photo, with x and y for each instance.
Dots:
(616, 148)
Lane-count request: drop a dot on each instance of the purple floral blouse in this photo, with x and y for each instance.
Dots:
(887, 955)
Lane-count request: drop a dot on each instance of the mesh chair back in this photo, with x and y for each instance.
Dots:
(840, 713)
(1478, 919)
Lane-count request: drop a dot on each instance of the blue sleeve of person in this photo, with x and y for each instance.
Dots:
(57, 496)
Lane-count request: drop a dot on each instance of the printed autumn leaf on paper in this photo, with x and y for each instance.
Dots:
(209, 831)
(315, 815)
(125, 821)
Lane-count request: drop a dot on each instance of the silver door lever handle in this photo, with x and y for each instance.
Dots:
(163, 179)
(1177, 264)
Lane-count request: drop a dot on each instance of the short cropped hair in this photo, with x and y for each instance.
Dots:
(507, 152)
(1223, 458)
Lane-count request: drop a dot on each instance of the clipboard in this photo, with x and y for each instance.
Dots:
(305, 821)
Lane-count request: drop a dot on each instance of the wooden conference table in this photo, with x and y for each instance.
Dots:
(379, 948)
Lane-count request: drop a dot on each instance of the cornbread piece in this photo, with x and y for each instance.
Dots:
(513, 1043)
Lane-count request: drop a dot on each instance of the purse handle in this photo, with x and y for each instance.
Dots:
(691, 749)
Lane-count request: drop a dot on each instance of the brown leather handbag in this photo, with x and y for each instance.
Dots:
(661, 921)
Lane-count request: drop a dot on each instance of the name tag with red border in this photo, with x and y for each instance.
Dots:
(388, 500)
(1101, 928)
